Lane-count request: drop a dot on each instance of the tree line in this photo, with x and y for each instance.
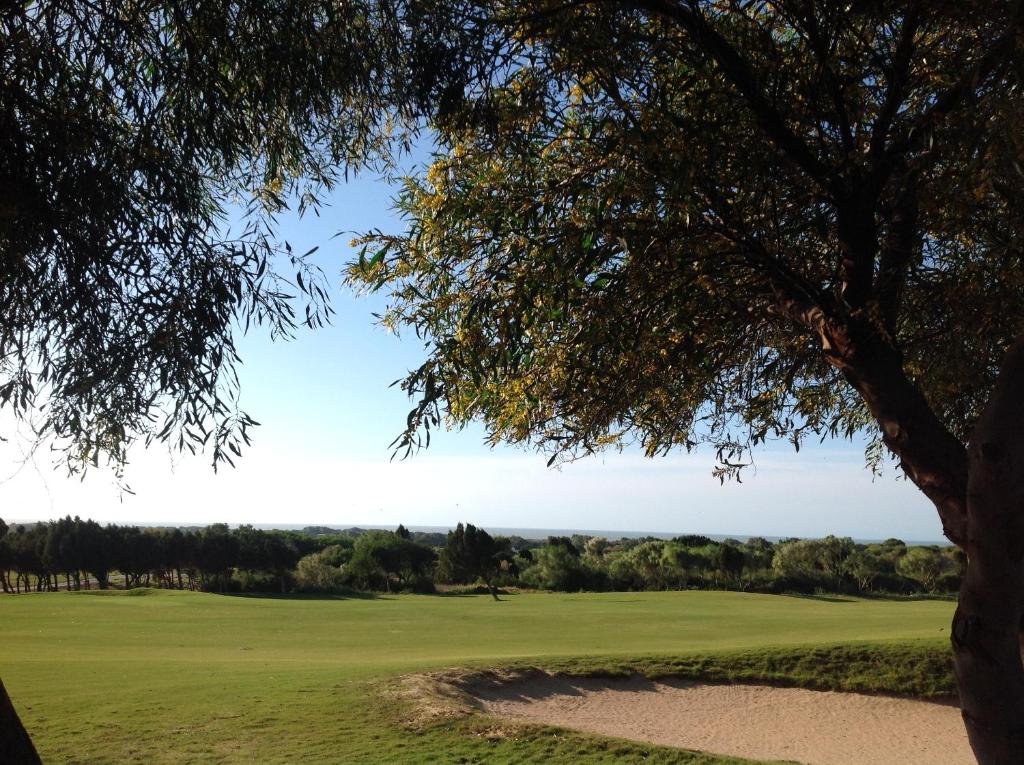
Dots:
(74, 554)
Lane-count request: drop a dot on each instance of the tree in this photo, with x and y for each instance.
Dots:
(5, 557)
(865, 566)
(797, 559)
(471, 553)
(832, 554)
(381, 555)
(281, 556)
(555, 568)
(321, 571)
(924, 565)
(96, 552)
(730, 560)
(130, 136)
(751, 221)
(216, 555)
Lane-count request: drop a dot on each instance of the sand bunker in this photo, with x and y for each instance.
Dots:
(759, 722)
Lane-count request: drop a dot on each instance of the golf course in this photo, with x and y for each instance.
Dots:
(150, 676)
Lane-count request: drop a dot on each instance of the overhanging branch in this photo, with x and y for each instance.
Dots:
(743, 78)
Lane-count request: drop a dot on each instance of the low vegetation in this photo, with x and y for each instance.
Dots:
(75, 554)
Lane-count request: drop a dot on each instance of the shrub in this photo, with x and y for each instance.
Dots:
(314, 573)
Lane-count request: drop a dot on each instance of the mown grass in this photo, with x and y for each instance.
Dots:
(191, 678)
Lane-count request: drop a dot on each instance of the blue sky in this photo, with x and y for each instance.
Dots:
(321, 455)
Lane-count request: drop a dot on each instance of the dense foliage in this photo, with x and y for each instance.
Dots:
(72, 554)
(471, 554)
(753, 220)
(145, 149)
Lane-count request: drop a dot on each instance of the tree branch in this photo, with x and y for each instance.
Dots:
(930, 456)
(740, 75)
(959, 96)
(901, 243)
(898, 73)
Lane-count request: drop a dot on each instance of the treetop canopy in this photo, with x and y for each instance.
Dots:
(697, 222)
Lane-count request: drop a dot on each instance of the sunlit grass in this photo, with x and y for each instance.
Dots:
(184, 677)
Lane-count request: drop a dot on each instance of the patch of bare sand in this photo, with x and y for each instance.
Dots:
(758, 722)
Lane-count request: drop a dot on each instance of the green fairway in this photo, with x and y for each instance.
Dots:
(183, 677)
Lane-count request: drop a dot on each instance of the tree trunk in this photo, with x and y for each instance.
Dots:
(15, 745)
(986, 632)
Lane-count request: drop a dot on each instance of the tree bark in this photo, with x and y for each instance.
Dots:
(932, 457)
(16, 747)
(986, 632)
(979, 494)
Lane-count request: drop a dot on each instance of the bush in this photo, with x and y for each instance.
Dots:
(895, 584)
(948, 583)
(315, 574)
(555, 568)
(244, 580)
(765, 583)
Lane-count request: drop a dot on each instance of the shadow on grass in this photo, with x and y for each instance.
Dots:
(823, 598)
(346, 595)
(473, 592)
(947, 597)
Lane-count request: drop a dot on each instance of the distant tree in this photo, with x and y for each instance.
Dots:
(865, 567)
(402, 532)
(730, 560)
(379, 556)
(554, 567)
(924, 565)
(566, 543)
(97, 556)
(891, 549)
(280, 557)
(832, 553)
(5, 558)
(759, 550)
(596, 546)
(216, 555)
(797, 559)
(321, 571)
(678, 562)
(26, 545)
(647, 562)
(694, 540)
(336, 555)
(471, 553)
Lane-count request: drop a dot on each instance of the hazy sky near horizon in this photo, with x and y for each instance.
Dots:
(321, 455)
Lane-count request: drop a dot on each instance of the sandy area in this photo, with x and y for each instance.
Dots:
(759, 722)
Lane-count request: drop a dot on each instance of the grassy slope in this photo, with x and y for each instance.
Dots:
(183, 677)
